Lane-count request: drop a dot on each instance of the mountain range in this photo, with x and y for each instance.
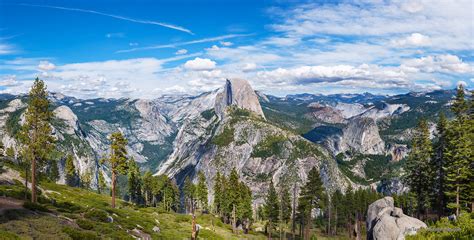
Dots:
(353, 139)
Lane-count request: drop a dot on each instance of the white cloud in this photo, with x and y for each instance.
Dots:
(181, 51)
(200, 64)
(115, 35)
(415, 39)
(174, 45)
(9, 81)
(6, 49)
(167, 25)
(249, 67)
(46, 66)
(133, 44)
(282, 41)
(439, 63)
(226, 44)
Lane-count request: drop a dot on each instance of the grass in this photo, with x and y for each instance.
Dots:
(65, 212)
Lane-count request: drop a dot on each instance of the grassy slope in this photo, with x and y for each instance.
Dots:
(76, 212)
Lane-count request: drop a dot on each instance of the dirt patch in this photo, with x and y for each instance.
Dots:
(7, 203)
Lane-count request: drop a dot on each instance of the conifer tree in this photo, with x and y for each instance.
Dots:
(147, 186)
(285, 199)
(418, 167)
(233, 197)
(271, 207)
(201, 191)
(134, 182)
(189, 192)
(218, 194)
(312, 196)
(438, 165)
(459, 157)
(117, 160)
(35, 134)
(71, 174)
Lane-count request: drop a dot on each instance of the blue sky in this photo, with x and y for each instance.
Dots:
(94, 49)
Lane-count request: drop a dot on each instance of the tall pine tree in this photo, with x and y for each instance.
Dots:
(271, 207)
(459, 156)
(134, 182)
(438, 164)
(35, 134)
(117, 160)
(201, 191)
(71, 174)
(312, 196)
(418, 167)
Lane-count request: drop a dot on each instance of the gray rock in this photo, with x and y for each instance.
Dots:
(384, 221)
(156, 229)
(238, 92)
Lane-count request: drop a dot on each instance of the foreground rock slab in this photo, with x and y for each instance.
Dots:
(387, 222)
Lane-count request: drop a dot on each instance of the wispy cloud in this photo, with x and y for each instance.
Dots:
(174, 45)
(166, 25)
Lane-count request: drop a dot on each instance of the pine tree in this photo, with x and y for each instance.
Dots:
(418, 167)
(285, 199)
(201, 191)
(438, 165)
(134, 182)
(218, 194)
(271, 207)
(459, 156)
(312, 196)
(118, 159)
(71, 174)
(233, 197)
(35, 134)
(189, 192)
(147, 186)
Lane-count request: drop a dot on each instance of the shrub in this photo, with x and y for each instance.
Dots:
(35, 207)
(208, 114)
(77, 234)
(67, 207)
(8, 235)
(225, 138)
(182, 218)
(85, 224)
(97, 215)
(270, 146)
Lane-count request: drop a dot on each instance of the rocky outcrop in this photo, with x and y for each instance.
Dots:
(325, 113)
(384, 221)
(65, 114)
(361, 135)
(238, 92)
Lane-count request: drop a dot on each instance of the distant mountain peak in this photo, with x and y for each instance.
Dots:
(238, 92)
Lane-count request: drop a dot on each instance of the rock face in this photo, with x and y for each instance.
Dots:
(360, 135)
(70, 119)
(238, 92)
(384, 221)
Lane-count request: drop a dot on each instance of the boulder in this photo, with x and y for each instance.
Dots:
(386, 222)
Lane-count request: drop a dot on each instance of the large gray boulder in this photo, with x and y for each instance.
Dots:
(386, 222)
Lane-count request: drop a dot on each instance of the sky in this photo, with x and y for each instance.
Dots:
(144, 49)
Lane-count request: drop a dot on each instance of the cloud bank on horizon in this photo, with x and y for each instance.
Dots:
(384, 47)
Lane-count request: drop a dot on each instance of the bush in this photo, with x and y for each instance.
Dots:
(77, 234)
(35, 207)
(97, 215)
(182, 218)
(225, 138)
(8, 235)
(463, 228)
(85, 224)
(67, 207)
(270, 146)
(208, 114)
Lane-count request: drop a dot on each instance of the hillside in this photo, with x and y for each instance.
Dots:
(73, 213)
